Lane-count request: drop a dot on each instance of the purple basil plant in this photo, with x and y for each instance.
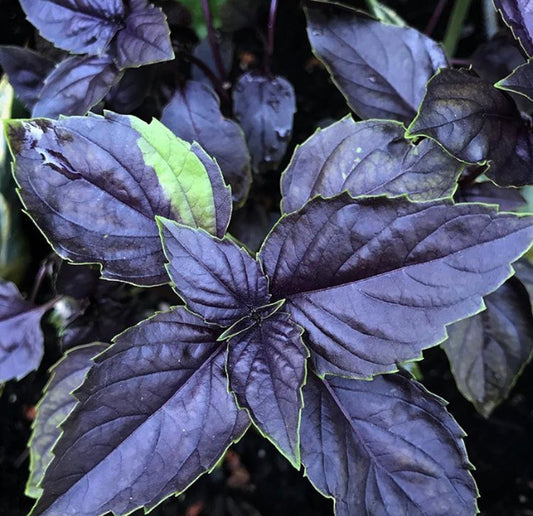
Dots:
(397, 231)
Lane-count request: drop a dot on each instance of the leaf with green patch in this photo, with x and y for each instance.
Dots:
(477, 123)
(54, 407)
(94, 185)
(488, 352)
(367, 158)
(193, 114)
(384, 447)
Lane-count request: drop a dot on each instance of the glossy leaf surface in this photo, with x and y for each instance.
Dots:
(194, 114)
(94, 185)
(367, 158)
(374, 281)
(487, 352)
(266, 369)
(21, 338)
(26, 70)
(54, 407)
(75, 86)
(477, 123)
(518, 15)
(381, 69)
(154, 414)
(144, 38)
(264, 107)
(79, 26)
(216, 278)
(384, 447)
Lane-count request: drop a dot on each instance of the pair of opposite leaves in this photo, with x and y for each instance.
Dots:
(392, 274)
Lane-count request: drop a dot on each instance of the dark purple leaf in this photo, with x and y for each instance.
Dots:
(94, 184)
(488, 352)
(477, 123)
(524, 272)
(497, 58)
(367, 158)
(381, 69)
(75, 86)
(266, 369)
(26, 70)
(129, 93)
(508, 199)
(384, 447)
(21, 338)
(373, 281)
(265, 108)
(54, 407)
(519, 16)
(145, 39)
(194, 114)
(216, 278)
(154, 414)
(204, 52)
(519, 81)
(79, 26)
(251, 224)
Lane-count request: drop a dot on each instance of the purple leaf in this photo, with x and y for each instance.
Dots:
(508, 199)
(194, 114)
(524, 272)
(26, 70)
(518, 15)
(497, 57)
(54, 407)
(381, 69)
(94, 184)
(488, 352)
(216, 278)
(204, 52)
(519, 81)
(367, 158)
(266, 369)
(79, 26)
(384, 447)
(264, 107)
(481, 124)
(128, 94)
(154, 414)
(75, 86)
(21, 338)
(145, 39)
(374, 281)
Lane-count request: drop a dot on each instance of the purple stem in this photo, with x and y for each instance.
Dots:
(430, 27)
(37, 283)
(270, 41)
(213, 41)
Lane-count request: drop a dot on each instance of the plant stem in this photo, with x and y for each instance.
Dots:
(38, 282)
(270, 41)
(455, 24)
(213, 41)
(435, 17)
